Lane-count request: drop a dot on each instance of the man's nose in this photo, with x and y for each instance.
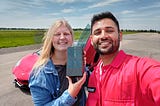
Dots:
(103, 34)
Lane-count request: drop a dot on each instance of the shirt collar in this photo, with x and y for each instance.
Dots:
(118, 60)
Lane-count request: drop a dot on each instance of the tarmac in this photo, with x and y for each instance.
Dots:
(140, 44)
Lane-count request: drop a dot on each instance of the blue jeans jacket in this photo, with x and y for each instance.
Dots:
(45, 87)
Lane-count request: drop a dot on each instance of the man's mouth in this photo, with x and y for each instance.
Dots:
(104, 44)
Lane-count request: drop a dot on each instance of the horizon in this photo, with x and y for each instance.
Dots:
(139, 30)
(132, 15)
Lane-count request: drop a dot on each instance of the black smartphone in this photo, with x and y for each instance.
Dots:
(75, 61)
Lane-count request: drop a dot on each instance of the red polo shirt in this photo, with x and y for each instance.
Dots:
(127, 81)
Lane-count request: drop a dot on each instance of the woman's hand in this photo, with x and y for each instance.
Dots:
(74, 88)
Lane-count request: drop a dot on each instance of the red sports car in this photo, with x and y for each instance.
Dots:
(23, 68)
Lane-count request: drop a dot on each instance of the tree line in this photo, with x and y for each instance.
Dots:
(75, 29)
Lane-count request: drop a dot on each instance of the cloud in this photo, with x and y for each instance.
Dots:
(9, 7)
(70, 1)
(67, 10)
(101, 4)
(155, 5)
(41, 13)
(78, 22)
(127, 12)
(27, 4)
(52, 14)
(63, 1)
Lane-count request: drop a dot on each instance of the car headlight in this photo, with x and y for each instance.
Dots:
(18, 63)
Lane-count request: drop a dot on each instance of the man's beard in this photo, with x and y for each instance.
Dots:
(109, 50)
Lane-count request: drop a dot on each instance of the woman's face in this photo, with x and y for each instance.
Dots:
(62, 39)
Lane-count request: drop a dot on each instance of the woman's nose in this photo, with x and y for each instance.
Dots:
(62, 36)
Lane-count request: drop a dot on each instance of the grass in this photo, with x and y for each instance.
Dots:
(13, 38)
(124, 33)
(77, 34)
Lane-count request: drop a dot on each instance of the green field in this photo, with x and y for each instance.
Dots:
(77, 34)
(13, 38)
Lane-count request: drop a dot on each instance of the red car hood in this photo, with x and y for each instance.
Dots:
(24, 66)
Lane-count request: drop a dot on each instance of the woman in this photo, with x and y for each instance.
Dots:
(48, 82)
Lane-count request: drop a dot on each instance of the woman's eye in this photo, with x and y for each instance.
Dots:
(66, 34)
(57, 34)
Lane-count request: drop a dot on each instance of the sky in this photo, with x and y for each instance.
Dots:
(132, 14)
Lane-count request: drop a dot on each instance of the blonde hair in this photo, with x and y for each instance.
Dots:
(47, 48)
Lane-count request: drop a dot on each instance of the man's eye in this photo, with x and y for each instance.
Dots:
(97, 32)
(109, 31)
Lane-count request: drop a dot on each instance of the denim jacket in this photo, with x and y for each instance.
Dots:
(45, 87)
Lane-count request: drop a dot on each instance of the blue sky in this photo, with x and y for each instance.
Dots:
(132, 14)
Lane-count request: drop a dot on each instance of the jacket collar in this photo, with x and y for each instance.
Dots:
(50, 67)
(118, 60)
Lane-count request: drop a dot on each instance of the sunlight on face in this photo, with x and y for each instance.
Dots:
(105, 36)
(62, 38)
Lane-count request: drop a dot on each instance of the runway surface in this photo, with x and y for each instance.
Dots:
(141, 44)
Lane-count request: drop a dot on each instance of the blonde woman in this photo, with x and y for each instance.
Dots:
(48, 83)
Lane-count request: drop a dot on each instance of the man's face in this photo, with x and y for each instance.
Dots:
(105, 36)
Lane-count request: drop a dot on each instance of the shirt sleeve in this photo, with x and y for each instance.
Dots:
(149, 79)
(64, 100)
(41, 96)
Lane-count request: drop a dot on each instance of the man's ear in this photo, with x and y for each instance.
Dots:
(91, 39)
(120, 35)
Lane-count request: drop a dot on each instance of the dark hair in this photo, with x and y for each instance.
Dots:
(103, 15)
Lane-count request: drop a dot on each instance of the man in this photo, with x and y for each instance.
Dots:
(120, 79)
